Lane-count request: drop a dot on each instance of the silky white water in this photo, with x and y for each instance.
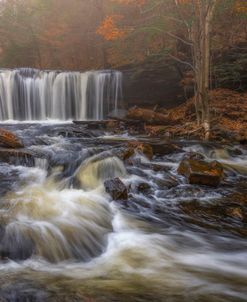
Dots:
(31, 95)
(62, 237)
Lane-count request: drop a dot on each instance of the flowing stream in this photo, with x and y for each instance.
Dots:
(62, 238)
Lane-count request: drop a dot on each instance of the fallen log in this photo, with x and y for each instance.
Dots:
(148, 116)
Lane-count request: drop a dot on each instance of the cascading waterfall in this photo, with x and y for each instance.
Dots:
(31, 94)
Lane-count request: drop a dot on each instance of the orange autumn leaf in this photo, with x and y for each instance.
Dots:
(109, 28)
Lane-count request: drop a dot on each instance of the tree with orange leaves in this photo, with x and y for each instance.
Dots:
(109, 29)
(196, 17)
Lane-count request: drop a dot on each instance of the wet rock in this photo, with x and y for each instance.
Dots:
(136, 171)
(235, 213)
(187, 192)
(201, 172)
(193, 156)
(164, 148)
(16, 246)
(138, 147)
(166, 183)
(139, 202)
(9, 180)
(143, 187)
(17, 156)
(241, 137)
(235, 152)
(239, 198)
(116, 188)
(159, 168)
(22, 290)
(127, 154)
(9, 139)
(2, 232)
(219, 215)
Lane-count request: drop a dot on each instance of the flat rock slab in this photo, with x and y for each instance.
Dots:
(201, 172)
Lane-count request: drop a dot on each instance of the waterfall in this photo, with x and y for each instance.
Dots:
(31, 94)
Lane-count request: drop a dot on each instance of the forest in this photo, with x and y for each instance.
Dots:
(93, 34)
(123, 150)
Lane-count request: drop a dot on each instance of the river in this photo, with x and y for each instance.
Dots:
(62, 238)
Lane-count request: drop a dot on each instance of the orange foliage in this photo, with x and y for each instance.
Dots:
(241, 6)
(109, 29)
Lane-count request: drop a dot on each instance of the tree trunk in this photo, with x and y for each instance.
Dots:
(200, 36)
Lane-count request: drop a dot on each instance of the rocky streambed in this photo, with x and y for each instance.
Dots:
(90, 215)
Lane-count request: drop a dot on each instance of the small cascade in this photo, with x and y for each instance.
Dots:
(29, 94)
(96, 170)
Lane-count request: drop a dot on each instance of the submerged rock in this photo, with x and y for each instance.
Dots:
(17, 157)
(116, 188)
(141, 187)
(201, 172)
(222, 215)
(193, 156)
(9, 139)
(15, 245)
(164, 148)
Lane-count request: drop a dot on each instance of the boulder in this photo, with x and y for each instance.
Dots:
(201, 172)
(138, 147)
(9, 139)
(116, 188)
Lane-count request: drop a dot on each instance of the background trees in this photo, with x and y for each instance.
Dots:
(207, 38)
(83, 34)
(184, 30)
(54, 34)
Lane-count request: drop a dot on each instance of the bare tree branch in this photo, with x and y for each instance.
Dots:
(181, 61)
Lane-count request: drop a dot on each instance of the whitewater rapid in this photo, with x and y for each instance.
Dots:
(66, 240)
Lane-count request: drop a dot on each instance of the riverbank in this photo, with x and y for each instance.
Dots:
(228, 119)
